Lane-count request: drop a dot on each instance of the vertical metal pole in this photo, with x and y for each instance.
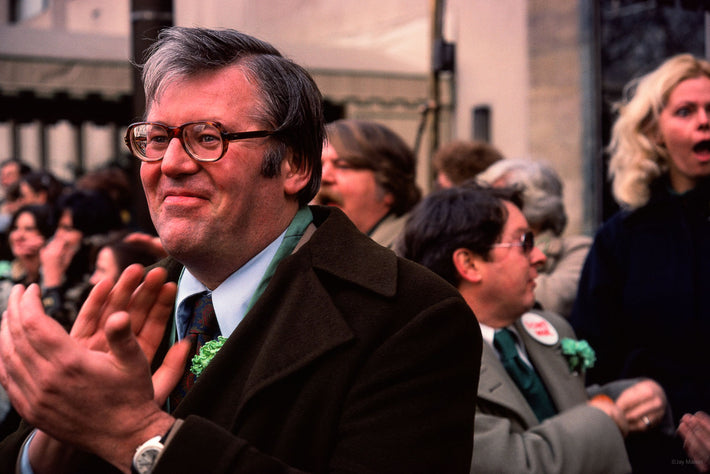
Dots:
(592, 147)
(437, 7)
(43, 134)
(79, 145)
(148, 17)
(16, 140)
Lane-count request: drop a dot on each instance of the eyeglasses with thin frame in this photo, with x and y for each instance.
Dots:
(203, 141)
(527, 242)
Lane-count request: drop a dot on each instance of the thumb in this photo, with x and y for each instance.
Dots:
(122, 342)
(171, 370)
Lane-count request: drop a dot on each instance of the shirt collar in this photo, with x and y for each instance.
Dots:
(231, 298)
(487, 333)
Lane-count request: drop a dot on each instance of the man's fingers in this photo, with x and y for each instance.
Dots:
(151, 334)
(695, 440)
(170, 372)
(123, 290)
(122, 342)
(144, 297)
(644, 404)
(87, 320)
(29, 340)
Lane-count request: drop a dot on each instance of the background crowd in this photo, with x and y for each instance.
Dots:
(494, 228)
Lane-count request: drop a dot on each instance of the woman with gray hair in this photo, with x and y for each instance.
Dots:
(543, 207)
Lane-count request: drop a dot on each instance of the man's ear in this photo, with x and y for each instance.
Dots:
(294, 179)
(468, 265)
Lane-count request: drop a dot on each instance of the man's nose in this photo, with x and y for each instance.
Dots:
(537, 258)
(327, 172)
(176, 160)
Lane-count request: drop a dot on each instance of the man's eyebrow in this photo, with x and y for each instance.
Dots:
(520, 230)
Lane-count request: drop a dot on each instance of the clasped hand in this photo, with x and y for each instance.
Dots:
(92, 389)
(638, 408)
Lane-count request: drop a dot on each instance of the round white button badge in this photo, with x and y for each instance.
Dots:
(540, 329)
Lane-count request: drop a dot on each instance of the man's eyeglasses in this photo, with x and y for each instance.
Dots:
(527, 242)
(203, 141)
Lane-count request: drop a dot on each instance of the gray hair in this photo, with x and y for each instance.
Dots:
(541, 186)
(291, 103)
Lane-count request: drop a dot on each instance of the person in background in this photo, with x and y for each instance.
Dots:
(11, 171)
(114, 256)
(462, 160)
(115, 183)
(544, 209)
(642, 298)
(533, 413)
(40, 187)
(84, 219)
(31, 227)
(369, 173)
(336, 355)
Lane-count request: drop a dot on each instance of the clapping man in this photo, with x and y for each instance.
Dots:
(335, 355)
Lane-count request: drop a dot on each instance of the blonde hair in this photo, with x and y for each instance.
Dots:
(636, 156)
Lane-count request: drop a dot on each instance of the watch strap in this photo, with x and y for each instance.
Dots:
(162, 440)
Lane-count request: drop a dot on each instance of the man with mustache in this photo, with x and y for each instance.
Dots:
(369, 172)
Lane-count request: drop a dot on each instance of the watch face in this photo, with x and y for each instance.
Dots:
(145, 460)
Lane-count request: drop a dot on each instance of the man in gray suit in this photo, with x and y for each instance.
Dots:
(478, 239)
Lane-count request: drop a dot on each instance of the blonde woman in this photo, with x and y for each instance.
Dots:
(643, 297)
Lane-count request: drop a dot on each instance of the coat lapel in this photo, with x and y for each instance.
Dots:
(295, 321)
(496, 386)
(565, 387)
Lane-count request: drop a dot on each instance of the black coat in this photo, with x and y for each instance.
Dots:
(644, 297)
(353, 360)
(644, 306)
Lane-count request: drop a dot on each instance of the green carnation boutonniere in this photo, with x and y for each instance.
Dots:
(579, 354)
(207, 352)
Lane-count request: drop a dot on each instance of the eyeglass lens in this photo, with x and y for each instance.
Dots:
(202, 140)
(528, 242)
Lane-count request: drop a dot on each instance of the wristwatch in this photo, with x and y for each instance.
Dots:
(147, 455)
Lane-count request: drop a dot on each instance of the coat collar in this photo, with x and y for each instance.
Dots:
(496, 386)
(295, 321)
(565, 388)
(338, 241)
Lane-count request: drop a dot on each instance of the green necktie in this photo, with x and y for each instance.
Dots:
(524, 376)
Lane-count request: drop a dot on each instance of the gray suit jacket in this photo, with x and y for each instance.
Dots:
(509, 437)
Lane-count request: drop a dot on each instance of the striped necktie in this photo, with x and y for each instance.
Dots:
(203, 328)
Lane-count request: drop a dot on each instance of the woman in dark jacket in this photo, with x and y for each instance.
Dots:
(643, 300)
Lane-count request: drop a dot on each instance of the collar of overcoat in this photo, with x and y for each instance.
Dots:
(295, 321)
